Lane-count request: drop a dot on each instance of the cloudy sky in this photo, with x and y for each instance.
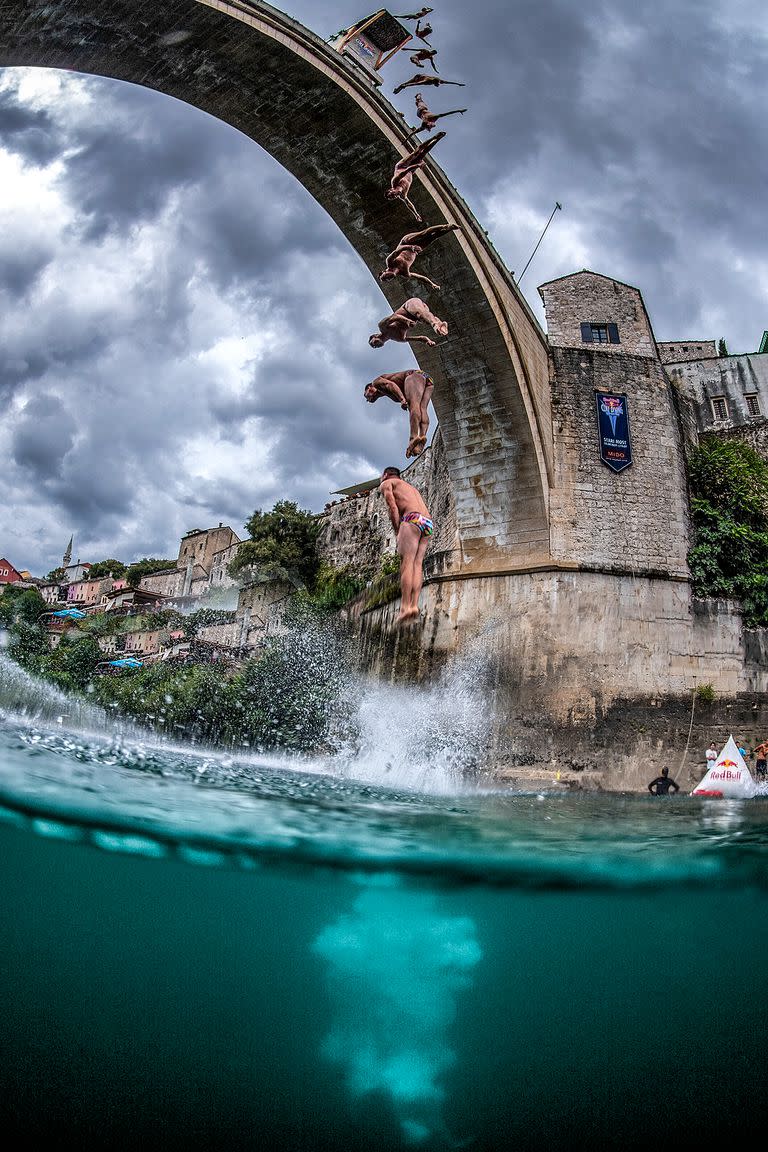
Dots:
(165, 357)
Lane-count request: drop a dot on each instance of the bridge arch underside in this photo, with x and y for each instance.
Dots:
(257, 70)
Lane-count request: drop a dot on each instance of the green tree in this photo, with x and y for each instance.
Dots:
(141, 568)
(194, 702)
(335, 587)
(28, 645)
(55, 574)
(722, 350)
(731, 477)
(291, 694)
(20, 604)
(281, 546)
(729, 511)
(104, 568)
(72, 663)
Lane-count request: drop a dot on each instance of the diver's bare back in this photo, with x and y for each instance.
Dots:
(407, 498)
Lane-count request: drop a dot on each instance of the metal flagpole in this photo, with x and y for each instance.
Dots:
(539, 240)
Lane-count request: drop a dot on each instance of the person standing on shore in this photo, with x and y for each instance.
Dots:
(761, 760)
(711, 754)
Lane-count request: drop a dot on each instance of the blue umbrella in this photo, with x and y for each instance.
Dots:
(72, 613)
(127, 662)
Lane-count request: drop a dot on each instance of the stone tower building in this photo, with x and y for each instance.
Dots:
(635, 521)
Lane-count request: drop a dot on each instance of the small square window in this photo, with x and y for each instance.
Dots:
(753, 403)
(719, 408)
(599, 333)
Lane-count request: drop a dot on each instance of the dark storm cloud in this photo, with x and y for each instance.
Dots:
(247, 238)
(140, 149)
(317, 416)
(58, 342)
(19, 270)
(18, 365)
(229, 501)
(180, 239)
(523, 65)
(30, 133)
(42, 437)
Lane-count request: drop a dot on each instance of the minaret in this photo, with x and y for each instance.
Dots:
(67, 559)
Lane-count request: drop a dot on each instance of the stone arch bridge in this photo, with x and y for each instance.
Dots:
(323, 120)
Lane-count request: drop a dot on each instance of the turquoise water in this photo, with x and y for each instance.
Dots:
(205, 950)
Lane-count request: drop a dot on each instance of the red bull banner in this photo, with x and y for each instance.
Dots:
(613, 430)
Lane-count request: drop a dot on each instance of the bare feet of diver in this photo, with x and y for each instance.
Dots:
(408, 617)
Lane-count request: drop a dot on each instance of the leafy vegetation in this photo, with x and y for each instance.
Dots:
(141, 568)
(281, 547)
(729, 508)
(335, 587)
(288, 695)
(20, 604)
(104, 568)
(385, 586)
(285, 697)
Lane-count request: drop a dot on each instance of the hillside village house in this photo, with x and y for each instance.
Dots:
(8, 574)
(89, 593)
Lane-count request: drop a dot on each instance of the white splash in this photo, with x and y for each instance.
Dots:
(395, 966)
(429, 739)
(26, 695)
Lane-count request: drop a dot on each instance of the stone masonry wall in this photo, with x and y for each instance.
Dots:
(219, 577)
(635, 520)
(731, 377)
(673, 351)
(202, 545)
(356, 531)
(589, 298)
(168, 583)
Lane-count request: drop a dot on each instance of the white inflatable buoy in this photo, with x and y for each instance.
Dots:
(729, 776)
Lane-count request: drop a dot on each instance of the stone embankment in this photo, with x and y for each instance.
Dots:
(531, 778)
(623, 749)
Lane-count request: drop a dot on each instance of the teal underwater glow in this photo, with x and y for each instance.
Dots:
(203, 950)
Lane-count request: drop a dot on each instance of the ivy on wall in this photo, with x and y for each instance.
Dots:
(729, 509)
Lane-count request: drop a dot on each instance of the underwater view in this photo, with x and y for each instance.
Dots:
(208, 949)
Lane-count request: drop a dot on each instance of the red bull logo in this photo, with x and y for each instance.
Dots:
(613, 408)
(726, 773)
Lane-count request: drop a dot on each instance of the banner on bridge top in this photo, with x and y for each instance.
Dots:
(613, 430)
